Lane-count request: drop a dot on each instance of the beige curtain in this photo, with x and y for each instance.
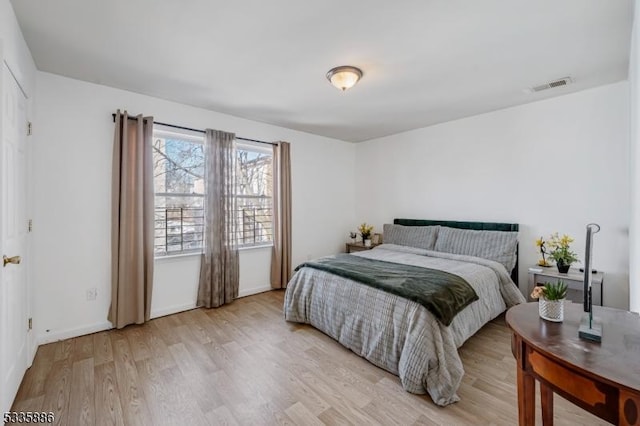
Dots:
(219, 270)
(281, 252)
(132, 221)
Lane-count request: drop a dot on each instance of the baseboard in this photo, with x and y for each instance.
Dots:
(252, 291)
(172, 310)
(73, 332)
(34, 349)
(101, 326)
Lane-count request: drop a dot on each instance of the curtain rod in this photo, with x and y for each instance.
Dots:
(196, 130)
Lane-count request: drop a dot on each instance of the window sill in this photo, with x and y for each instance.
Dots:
(261, 246)
(197, 253)
(177, 256)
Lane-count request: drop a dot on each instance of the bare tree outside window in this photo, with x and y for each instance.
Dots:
(179, 193)
(254, 180)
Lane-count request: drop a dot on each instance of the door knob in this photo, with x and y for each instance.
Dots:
(6, 260)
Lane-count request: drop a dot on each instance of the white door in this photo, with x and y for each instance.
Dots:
(13, 239)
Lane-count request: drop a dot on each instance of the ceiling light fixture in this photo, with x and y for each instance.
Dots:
(344, 77)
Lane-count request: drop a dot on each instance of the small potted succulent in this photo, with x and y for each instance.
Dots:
(551, 298)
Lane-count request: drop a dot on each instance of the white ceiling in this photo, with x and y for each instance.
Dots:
(424, 61)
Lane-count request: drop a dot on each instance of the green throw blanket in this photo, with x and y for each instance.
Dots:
(442, 293)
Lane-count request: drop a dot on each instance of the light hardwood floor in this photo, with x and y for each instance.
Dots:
(243, 364)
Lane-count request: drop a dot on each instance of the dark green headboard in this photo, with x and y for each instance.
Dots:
(478, 226)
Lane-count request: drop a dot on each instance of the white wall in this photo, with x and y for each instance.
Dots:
(634, 163)
(553, 165)
(73, 194)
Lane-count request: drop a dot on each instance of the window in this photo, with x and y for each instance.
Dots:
(178, 165)
(254, 194)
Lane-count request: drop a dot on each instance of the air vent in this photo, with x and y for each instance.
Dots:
(552, 84)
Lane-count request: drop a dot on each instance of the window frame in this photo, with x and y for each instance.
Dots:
(259, 148)
(166, 132)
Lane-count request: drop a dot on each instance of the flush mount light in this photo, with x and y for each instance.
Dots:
(344, 77)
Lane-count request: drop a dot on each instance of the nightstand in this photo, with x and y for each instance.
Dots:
(574, 279)
(358, 246)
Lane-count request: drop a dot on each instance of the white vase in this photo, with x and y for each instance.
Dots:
(367, 243)
(551, 310)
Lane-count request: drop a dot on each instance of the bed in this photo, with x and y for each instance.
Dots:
(401, 335)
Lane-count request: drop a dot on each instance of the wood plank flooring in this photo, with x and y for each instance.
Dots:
(242, 364)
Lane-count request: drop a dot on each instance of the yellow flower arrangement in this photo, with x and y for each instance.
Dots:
(365, 231)
(540, 243)
(560, 249)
